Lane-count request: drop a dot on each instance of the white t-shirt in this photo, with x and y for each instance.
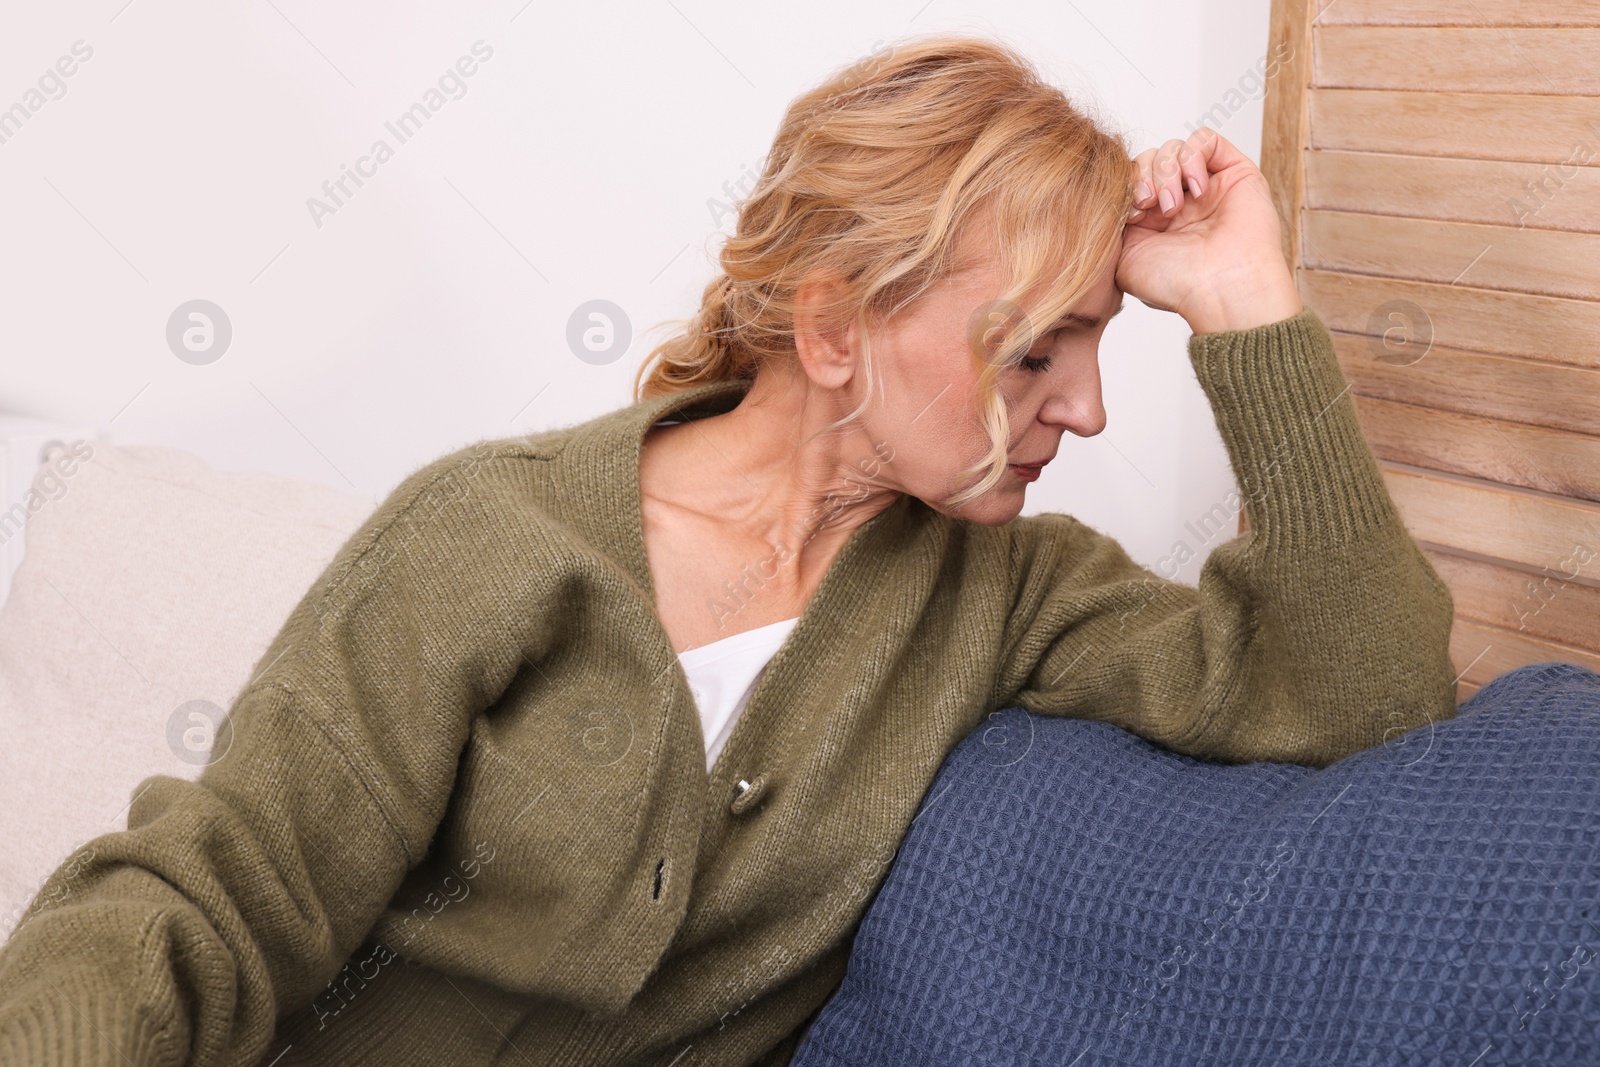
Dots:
(722, 675)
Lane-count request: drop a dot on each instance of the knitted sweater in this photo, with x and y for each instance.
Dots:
(464, 816)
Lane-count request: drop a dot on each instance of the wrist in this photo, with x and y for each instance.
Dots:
(1242, 301)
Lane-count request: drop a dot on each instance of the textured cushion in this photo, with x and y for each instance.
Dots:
(151, 582)
(1072, 894)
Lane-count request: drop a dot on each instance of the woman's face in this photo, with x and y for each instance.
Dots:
(929, 412)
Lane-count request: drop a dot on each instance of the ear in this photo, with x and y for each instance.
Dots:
(827, 355)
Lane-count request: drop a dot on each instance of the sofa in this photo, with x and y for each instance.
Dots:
(1069, 893)
(149, 587)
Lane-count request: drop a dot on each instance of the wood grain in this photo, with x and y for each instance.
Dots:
(1548, 603)
(1549, 328)
(1472, 383)
(1500, 521)
(1545, 196)
(1482, 653)
(1551, 461)
(1285, 120)
(1527, 260)
(1529, 128)
(1463, 59)
(1457, 12)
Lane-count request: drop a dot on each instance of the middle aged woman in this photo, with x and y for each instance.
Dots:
(610, 732)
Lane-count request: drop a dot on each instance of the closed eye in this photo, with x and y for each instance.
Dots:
(1035, 365)
(1041, 363)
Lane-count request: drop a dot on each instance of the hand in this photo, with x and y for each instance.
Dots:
(1212, 251)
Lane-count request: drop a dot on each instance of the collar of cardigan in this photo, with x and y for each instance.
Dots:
(889, 549)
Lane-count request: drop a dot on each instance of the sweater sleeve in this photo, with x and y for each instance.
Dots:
(237, 897)
(1320, 631)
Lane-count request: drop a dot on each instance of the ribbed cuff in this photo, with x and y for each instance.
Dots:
(69, 1017)
(1283, 408)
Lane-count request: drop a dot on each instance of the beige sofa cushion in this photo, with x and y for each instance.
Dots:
(150, 587)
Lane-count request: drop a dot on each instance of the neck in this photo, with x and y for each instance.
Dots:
(773, 473)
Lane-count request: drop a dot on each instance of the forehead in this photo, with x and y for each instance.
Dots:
(979, 271)
(978, 263)
(1105, 298)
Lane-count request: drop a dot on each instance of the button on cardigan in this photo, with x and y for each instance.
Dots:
(465, 817)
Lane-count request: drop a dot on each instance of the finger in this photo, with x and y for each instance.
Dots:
(1168, 173)
(1196, 161)
(1211, 153)
(1219, 152)
(1137, 193)
(1145, 219)
(1149, 220)
(1144, 186)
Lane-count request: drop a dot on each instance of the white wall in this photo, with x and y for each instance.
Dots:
(431, 308)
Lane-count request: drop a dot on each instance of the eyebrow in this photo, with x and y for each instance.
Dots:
(1091, 321)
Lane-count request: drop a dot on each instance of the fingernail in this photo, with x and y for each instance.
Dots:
(1136, 214)
(1142, 192)
(1166, 199)
(1194, 188)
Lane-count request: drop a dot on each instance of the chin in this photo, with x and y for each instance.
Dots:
(995, 508)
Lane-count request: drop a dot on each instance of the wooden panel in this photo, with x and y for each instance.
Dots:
(1488, 257)
(1482, 653)
(1465, 691)
(1458, 12)
(1556, 329)
(1496, 387)
(1465, 59)
(1548, 460)
(1504, 522)
(1449, 236)
(1284, 117)
(1544, 195)
(1548, 603)
(1533, 129)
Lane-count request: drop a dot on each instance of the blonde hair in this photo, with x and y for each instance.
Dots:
(873, 177)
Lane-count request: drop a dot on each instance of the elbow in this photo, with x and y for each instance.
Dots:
(1411, 672)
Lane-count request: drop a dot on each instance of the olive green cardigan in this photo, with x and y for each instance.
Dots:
(465, 817)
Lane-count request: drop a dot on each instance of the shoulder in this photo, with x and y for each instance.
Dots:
(452, 512)
(1051, 547)
(1047, 534)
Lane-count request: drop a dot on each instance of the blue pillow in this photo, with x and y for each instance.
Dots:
(1077, 895)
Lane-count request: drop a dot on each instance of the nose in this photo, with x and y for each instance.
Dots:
(1076, 404)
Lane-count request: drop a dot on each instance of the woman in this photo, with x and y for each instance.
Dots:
(464, 816)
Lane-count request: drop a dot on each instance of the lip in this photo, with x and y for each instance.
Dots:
(1027, 471)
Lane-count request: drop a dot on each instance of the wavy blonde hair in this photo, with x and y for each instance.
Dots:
(872, 178)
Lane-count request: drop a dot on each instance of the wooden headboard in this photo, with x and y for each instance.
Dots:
(1437, 167)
